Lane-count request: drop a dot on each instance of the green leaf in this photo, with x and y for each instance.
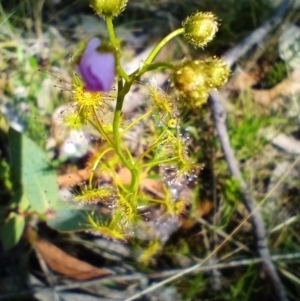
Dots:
(12, 230)
(70, 220)
(31, 169)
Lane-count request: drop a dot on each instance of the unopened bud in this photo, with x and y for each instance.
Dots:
(200, 28)
(108, 8)
(216, 70)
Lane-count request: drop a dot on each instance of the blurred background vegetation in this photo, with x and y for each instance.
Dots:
(262, 101)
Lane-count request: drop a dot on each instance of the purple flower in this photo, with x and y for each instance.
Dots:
(97, 69)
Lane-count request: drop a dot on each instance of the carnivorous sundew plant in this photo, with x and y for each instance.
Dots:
(97, 67)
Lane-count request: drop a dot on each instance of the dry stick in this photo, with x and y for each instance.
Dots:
(225, 265)
(219, 115)
(257, 220)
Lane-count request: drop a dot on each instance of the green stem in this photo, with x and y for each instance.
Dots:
(111, 33)
(98, 126)
(160, 66)
(153, 145)
(116, 131)
(135, 122)
(96, 165)
(162, 43)
(148, 65)
(155, 163)
(153, 66)
(116, 143)
(122, 91)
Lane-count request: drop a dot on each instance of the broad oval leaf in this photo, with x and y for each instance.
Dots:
(32, 170)
(12, 230)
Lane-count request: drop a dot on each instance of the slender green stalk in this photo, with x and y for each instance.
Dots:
(98, 126)
(148, 65)
(96, 165)
(117, 139)
(153, 145)
(162, 43)
(135, 122)
(122, 91)
(111, 33)
(114, 144)
(153, 66)
(160, 66)
(155, 163)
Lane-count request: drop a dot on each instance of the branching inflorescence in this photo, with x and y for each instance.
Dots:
(97, 66)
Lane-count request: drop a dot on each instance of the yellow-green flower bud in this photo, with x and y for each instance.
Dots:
(200, 28)
(216, 70)
(195, 79)
(108, 8)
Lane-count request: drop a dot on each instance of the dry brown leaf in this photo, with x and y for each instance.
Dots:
(204, 207)
(124, 175)
(243, 81)
(79, 176)
(188, 223)
(153, 186)
(65, 264)
(287, 87)
(73, 178)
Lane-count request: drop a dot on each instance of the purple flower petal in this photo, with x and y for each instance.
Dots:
(97, 69)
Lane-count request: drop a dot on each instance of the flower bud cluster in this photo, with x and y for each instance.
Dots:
(195, 78)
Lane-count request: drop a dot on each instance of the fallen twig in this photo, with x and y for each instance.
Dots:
(249, 201)
(225, 265)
